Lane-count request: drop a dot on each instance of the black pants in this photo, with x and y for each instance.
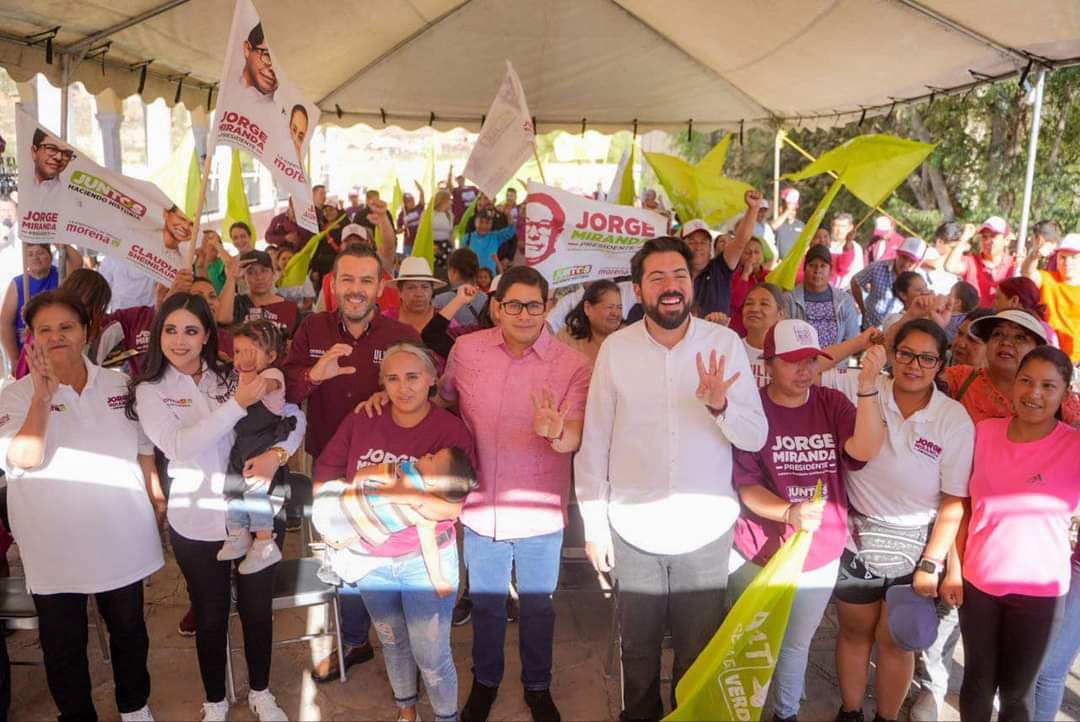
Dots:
(62, 630)
(1005, 640)
(209, 586)
(683, 593)
(5, 679)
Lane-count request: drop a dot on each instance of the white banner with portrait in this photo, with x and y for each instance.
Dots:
(64, 197)
(571, 239)
(260, 112)
(506, 138)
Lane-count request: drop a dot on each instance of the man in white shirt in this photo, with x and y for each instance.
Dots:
(669, 398)
(130, 286)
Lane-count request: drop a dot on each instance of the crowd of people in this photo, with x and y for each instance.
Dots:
(912, 402)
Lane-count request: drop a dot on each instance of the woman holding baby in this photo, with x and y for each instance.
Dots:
(427, 451)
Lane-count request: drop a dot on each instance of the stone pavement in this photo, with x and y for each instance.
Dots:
(581, 686)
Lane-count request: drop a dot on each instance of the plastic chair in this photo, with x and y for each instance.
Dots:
(17, 611)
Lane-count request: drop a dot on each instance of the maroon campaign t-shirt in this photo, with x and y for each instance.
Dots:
(361, 441)
(332, 401)
(803, 445)
(284, 314)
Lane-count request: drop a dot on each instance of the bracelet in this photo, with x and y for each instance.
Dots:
(282, 455)
(861, 395)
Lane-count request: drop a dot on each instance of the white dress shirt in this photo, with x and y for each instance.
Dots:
(130, 286)
(193, 426)
(654, 462)
(83, 518)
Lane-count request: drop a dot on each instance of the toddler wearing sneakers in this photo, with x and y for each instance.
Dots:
(249, 507)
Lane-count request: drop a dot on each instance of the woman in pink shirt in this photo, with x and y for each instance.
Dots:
(1024, 486)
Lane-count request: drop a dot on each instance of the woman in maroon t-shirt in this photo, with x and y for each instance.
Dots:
(412, 620)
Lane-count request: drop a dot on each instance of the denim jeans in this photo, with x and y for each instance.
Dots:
(252, 511)
(811, 598)
(489, 562)
(413, 624)
(1050, 685)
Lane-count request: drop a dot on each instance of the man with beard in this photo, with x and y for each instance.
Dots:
(258, 74)
(333, 364)
(662, 513)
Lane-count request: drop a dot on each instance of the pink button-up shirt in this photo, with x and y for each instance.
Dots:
(524, 483)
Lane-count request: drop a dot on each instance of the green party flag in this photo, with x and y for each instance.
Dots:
(236, 208)
(459, 229)
(179, 177)
(424, 243)
(870, 167)
(397, 202)
(622, 191)
(730, 678)
(296, 270)
(701, 190)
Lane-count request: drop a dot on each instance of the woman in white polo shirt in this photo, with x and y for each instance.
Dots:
(80, 479)
(906, 506)
(188, 403)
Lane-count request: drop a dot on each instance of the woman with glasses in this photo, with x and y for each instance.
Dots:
(905, 509)
(595, 317)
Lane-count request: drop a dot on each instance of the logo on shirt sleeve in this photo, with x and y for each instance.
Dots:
(316, 352)
(177, 403)
(116, 402)
(928, 448)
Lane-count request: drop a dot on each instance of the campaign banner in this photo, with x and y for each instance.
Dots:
(260, 112)
(571, 239)
(506, 138)
(64, 197)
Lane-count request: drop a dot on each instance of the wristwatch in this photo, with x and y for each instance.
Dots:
(930, 566)
(282, 455)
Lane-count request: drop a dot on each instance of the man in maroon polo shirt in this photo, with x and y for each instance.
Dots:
(333, 364)
(261, 300)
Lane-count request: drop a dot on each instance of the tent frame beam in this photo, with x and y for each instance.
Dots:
(978, 37)
(78, 48)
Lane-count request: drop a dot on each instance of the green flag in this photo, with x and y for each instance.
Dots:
(397, 202)
(730, 678)
(424, 243)
(296, 270)
(622, 190)
(179, 177)
(459, 229)
(701, 190)
(870, 167)
(236, 208)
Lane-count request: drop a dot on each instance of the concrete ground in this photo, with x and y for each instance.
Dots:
(581, 688)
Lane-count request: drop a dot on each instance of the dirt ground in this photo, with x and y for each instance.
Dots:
(582, 687)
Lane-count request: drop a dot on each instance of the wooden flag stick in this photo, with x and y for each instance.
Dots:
(197, 220)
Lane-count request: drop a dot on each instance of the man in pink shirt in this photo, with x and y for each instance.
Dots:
(993, 264)
(522, 395)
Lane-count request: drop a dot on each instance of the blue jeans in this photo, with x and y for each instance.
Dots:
(413, 624)
(1050, 686)
(252, 511)
(489, 563)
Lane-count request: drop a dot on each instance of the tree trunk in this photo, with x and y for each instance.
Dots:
(937, 179)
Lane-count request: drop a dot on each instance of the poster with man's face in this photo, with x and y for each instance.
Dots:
(64, 197)
(571, 239)
(260, 112)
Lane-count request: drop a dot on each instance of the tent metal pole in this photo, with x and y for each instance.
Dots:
(1029, 177)
(778, 145)
(65, 89)
(80, 47)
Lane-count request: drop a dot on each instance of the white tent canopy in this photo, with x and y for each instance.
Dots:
(607, 63)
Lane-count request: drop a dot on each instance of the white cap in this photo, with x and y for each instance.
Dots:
(912, 247)
(883, 226)
(354, 229)
(1070, 244)
(695, 225)
(792, 340)
(996, 224)
(983, 327)
(764, 203)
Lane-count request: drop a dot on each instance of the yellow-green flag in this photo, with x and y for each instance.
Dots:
(397, 202)
(870, 167)
(236, 208)
(459, 229)
(424, 243)
(622, 191)
(296, 270)
(701, 190)
(730, 678)
(179, 177)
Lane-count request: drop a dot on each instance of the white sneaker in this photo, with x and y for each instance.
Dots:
(927, 707)
(263, 553)
(139, 715)
(265, 707)
(215, 711)
(236, 545)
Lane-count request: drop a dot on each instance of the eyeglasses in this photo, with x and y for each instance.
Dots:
(57, 150)
(926, 360)
(1016, 339)
(538, 225)
(263, 53)
(514, 308)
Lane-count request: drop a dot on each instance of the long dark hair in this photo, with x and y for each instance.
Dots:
(1059, 359)
(155, 364)
(931, 329)
(576, 321)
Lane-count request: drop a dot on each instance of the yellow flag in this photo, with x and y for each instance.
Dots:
(730, 678)
(179, 177)
(701, 190)
(870, 167)
(622, 190)
(296, 270)
(236, 208)
(424, 243)
(397, 202)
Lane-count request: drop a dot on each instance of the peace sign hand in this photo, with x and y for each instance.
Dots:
(712, 386)
(41, 373)
(550, 418)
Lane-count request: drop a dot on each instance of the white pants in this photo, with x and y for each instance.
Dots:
(815, 590)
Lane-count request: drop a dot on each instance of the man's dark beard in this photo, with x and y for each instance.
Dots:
(653, 311)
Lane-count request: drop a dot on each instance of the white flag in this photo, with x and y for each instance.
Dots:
(260, 112)
(64, 197)
(506, 138)
(571, 239)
